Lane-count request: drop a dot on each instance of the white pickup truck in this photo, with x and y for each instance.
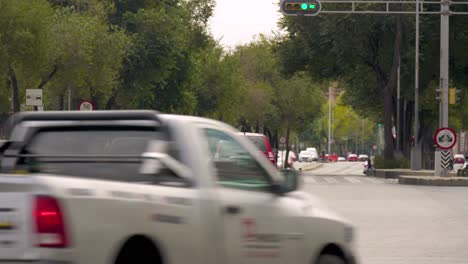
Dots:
(139, 187)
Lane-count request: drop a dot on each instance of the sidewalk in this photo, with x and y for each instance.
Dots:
(433, 180)
(307, 166)
(395, 173)
(421, 177)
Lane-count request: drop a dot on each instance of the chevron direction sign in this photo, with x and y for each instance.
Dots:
(445, 138)
(445, 159)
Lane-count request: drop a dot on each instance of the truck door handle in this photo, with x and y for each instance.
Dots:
(232, 209)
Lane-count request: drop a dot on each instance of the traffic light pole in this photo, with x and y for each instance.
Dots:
(444, 13)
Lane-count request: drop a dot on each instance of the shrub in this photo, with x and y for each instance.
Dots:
(396, 163)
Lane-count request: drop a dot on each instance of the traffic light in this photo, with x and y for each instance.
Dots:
(453, 96)
(300, 7)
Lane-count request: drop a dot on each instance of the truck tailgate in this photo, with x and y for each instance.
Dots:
(16, 228)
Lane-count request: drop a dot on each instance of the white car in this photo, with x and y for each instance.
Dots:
(341, 159)
(124, 187)
(305, 156)
(363, 157)
(313, 154)
(459, 162)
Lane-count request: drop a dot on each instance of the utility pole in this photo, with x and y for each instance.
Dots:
(444, 69)
(416, 150)
(69, 98)
(362, 137)
(329, 118)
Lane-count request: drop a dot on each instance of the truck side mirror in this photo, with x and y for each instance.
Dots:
(291, 183)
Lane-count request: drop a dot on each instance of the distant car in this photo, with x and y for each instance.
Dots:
(363, 157)
(262, 143)
(305, 156)
(459, 159)
(458, 162)
(341, 159)
(352, 157)
(313, 153)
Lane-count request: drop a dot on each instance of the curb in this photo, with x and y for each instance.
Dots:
(396, 173)
(433, 181)
(311, 167)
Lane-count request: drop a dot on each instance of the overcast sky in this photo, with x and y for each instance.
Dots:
(238, 21)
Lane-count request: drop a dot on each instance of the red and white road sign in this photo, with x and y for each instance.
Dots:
(445, 138)
(86, 105)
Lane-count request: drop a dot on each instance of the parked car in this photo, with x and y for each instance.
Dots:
(305, 156)
(352, 157)
(124, 187)
(341, 159)
(262, 143)
(313, 154)
(458, 162)
(363, 157)
(458, 159)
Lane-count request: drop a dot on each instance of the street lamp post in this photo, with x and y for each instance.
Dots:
(329, 118)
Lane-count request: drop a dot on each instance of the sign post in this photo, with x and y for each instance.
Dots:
(445, 138)
(34, 98)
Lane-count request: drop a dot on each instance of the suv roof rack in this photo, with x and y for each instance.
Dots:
(84, 115)
(117, 115)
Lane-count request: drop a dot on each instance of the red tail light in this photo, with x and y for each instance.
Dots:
(50, 224)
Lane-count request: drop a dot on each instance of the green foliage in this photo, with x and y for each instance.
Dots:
(399, 162)
(149, 54)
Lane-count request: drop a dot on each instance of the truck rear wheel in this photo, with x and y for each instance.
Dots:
(330, 259)
(139, 250)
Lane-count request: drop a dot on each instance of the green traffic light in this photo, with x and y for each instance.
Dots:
(312, 6)
(304, 6)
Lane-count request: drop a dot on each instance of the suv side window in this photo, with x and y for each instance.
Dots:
(236, 168)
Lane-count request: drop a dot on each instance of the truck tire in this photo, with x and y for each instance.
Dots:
(330, 259)
(139, 250)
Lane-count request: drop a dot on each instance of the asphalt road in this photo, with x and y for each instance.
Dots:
(396, 223)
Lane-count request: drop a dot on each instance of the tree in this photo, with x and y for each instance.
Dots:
(297, 102)
(23, 44)
(368, 52)
(87, 56)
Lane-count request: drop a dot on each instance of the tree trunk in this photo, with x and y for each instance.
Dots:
(276, 145)
(388, 94)
(48, 78)
(286, 156)
(14, 86)
(257, 127)
(388, 135)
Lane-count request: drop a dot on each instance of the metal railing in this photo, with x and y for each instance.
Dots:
(385, 7)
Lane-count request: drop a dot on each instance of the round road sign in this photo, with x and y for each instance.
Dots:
(86, 105)
(445, 138)
(282, 140)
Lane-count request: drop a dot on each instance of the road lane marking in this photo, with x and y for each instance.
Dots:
(352, 179)
(374, 180)
(330, 180)
(310, 180)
